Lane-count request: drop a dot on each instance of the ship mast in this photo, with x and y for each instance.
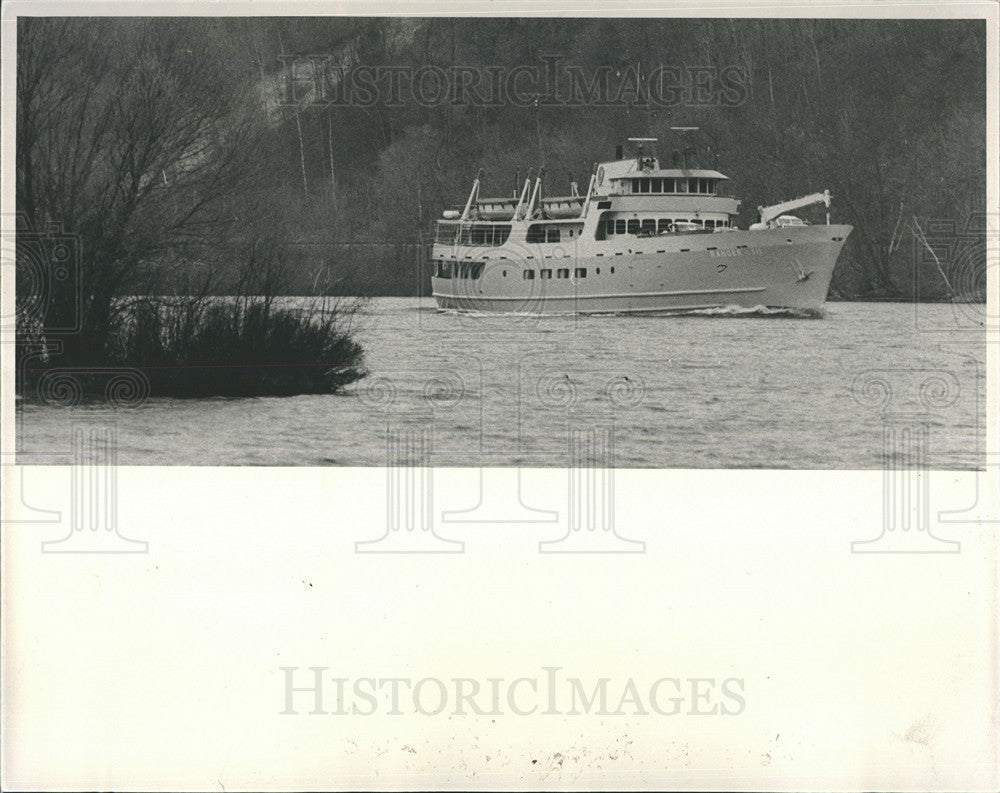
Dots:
(688, 148)
(473, 196)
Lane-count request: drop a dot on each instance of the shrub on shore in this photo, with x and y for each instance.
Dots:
(203, 347)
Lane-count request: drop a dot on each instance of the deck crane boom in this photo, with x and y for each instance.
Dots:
(769, 214)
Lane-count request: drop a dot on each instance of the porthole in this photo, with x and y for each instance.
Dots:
(598, 270)
(612, 270)
(504, 273)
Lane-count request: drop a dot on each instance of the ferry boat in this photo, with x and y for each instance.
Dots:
(642, 239)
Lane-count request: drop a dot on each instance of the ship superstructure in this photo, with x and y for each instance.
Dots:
(641, 239)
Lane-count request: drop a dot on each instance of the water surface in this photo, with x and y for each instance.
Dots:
(697, 391)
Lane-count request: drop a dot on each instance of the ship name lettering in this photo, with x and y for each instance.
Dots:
(733, 252)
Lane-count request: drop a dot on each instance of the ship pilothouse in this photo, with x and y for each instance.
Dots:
(641, 238)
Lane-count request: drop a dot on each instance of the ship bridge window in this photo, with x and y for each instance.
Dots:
(668, 185)
(644, 185)
(680, 185)
(442, 270)
(633, 226)
(657, 186)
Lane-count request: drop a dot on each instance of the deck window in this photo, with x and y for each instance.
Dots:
(692, 185)
(442, 270)
(528, 275)
(663, 225)
(644, 185)
(609, 227)
(657, 186)
(668, 185)
(539, 232)
(680, 185)
(545, 273)
(476, 269)
(482, 234)
(649, 226)
(446, 232)
(619, 227)
(562, 272)
(710, 224)
(580, 272)
(633, 226)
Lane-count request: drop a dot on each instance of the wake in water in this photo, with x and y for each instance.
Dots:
(764, 312)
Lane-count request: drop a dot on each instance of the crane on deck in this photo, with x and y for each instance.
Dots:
(768, 215)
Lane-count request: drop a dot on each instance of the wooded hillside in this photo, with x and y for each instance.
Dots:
(353, 165)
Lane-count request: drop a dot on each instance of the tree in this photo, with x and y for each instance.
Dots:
(137, 137)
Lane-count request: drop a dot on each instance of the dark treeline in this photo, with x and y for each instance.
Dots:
(890, 116)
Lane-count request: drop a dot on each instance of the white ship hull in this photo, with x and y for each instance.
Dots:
(787, 268)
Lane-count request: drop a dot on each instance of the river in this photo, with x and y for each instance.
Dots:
(864, 386)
